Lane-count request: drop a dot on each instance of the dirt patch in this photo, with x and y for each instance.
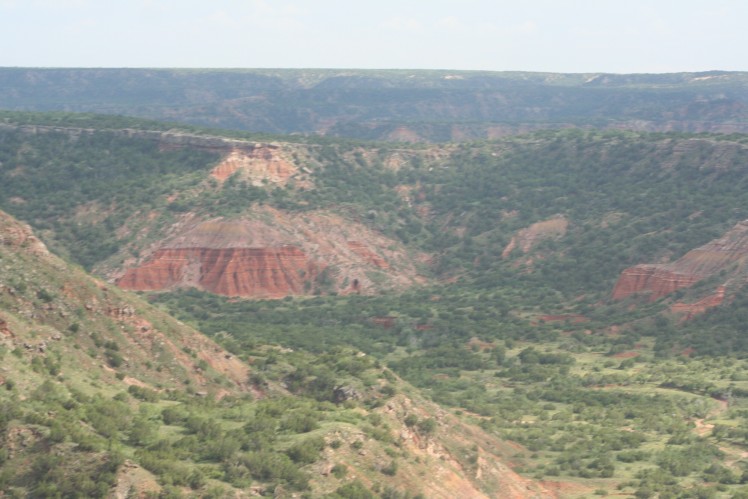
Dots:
(573, 318)
(702, 428)
(566, 489)
(625, 355)
(134, 481)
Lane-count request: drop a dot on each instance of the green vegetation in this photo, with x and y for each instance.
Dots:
(619, 397)
(578, 406)
(62, 442)
(436, 105)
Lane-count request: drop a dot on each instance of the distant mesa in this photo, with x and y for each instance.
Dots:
(404, 134)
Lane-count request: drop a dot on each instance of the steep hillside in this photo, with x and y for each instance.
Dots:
(405, 105)
(79, 358)
(51, 310)
(103, 395)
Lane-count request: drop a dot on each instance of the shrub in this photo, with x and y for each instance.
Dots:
(339, 471)
(390, 469)
(307, 451)
(427, 426)
(353, 490)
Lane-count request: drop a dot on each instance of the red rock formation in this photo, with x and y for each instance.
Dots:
(274, 272)
(263, 163)
(697, 264)
(269, 272)
(689, 310)
(273, 254)
(163, 271)
(653, 279)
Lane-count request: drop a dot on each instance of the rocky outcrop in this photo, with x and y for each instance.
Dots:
(260, 165)
(18, 235)
(261, 272)
(658, 280)
(527, 238)
(442, 466)
(689, 310)
(272, 255)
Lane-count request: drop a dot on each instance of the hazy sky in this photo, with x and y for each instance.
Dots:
(621, 36)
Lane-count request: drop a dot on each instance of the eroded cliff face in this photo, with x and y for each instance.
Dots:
(658, 280)
(272, 255)
(260, 165)
(266, 272)
(689, 310)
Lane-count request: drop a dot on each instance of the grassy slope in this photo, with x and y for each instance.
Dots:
(101, 392)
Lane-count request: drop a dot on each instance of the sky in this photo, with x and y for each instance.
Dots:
(571, 36)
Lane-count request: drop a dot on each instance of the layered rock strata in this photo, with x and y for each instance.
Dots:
(689, 310)
(658, 280)
(261, 164)
(269, 272)
(272, 255)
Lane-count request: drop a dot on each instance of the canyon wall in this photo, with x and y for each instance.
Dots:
(729, 253)
(272, 255)
(260, 272)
